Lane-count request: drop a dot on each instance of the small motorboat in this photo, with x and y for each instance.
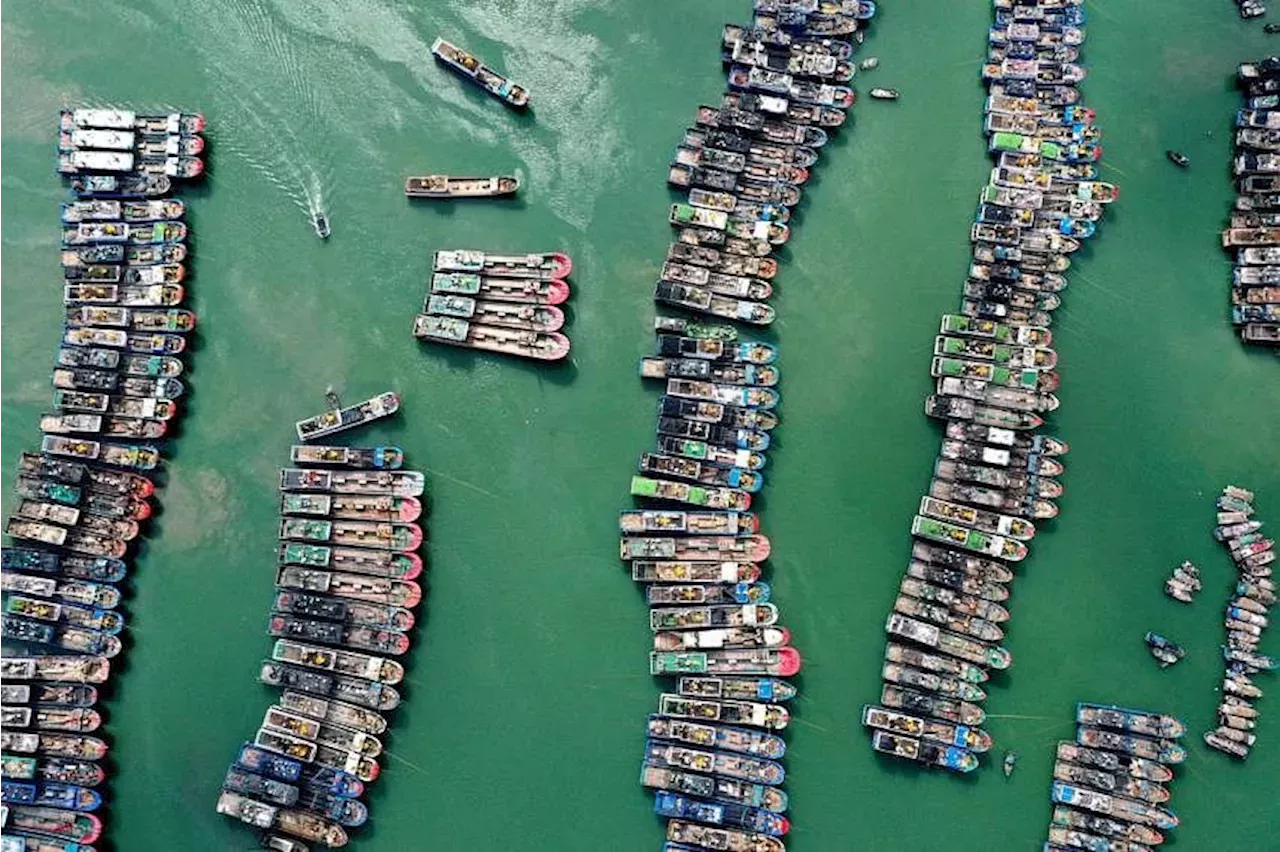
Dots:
(884, 94)
(1167, 652)
(1177, 158)
(1010, 761)
(1271, 29)
(320, 222)
(868, 63)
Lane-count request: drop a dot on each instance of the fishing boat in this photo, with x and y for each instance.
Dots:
(281, 719)
(530, 291)
(377, 669)
(83, 669)
(729, 790)
(339, 419)
(523, 317)
(381, 562)
(131, 319)
(356, 458)
(1105, 827)
(959, 712)
(385, 508)
(707, 837)
(541, 266)
(746, 352)
(707, 734)
(672, 756)
(82, 773)
(83, 162)
(932, 636)
(754, 548)
(379, 535)
(694, 495)
(54, 745)
(947, 557)
(50, 694)
(543, 346)
(299, 823)
(949, 757)
(87, 617)
(1101, 803)
(120, 232)
(985, 521)
(61, 824)
(704, 474)
(637, 521)
(1121, 785)
(1164, 751)
(751, 713)
(473, 70)
(342, 610)
(943, 665)
(354, 690)
(674, 805)
(729, 264)
(371, 589)
(1114, 762)
(183, 124)
(984, 454)
(1132, 721)
(121, 186)
(446, 186)
(968, 538)
(924, 727)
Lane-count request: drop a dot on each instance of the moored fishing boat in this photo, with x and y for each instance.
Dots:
(383, 507)
(342, 610)
(299, 823)
(935, 663)
(924, 727)
(121, 186)
(447, 186)
(693, 495)
(932, 636)
(968, 538)
(707, 837)
(376, 696)
(729, 790)
(400, 483)
(51, 694)
(754, 548)
(380, 536)
(1105, 827)
(674, 805)
(1164, 751)
(357, 458)
(709, 734)
(638, 522)
(83, 773)
(359, 587)
(533, 291)
(542, 346)
(381, 562)
(369, 667)
(1134, 721)
(694, 572)
(766, 689)
(782, 662)
(949, 757)
(54, 822)
(672, 756)
(54, 745)
(703, 474)
(985, 521)
(722, 637)
(958, 712)
(755, 714)
(82, 669)
(1101, 803)
(543, 266)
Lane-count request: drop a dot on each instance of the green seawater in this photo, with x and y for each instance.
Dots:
(528, 685)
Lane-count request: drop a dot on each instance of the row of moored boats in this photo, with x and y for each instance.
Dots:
(1110, 787)
(84, 498)
(496, 302)
(713, 751)
(1245, 618)
(1253, 232)
(995, 478)
(347, 579)
(130, 145)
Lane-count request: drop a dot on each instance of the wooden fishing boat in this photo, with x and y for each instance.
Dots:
(342, 610)
(182, 124)
(83, 162)
(82, 773)
(70, 826)
(522, 317)
(54, 745)
(957, 580)
(705, 301)
(953, 408)
(350, 716)
(960, 603)
(729, 637)
(932, 636)
(88, 618)
(379, 590)
(754, 821)
(446, 186)
(340, 419)
(729, 790)
(48, 717)
(121, 186)
(84, 379)
(700, 617)
(755, 714)
(754, 548)
(768, 689)
(132, 319)
(930, 729)
(50, 694)
(378, 640)
(474, 71)
(693, 495)
(87, 233)
(1164, 751)
(1127, 809)
(707, 734)
(910, 748)
(401, 483)
(694, 572)
(938, 664)
(381, 536)
(928, 704)
(380, 508)
(638, 521)
(740, 286)
(730, 765)
(299, 823)
(62, 589)
(160, 344)
(355, 690)
(280, 719)
(143, 457)
(706, 837)
(356, 458)
(1132, 721)
(781, 662)
(531, 291)
(542, 266)
(374, 562)
(365, 666)
(729, 264)
(106, 480)
(543, 346)
(730, 437)
(989, 522)
(64, 636)
(58, 669)
(309, 751)
(746, 352)
(705, 452)
(944, 685)
(968, 538)
(703, 474)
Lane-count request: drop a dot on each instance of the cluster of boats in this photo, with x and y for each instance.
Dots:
(714, 747)
(136, 149)
(1253, 232)
(995, 478)
(1110, 787)
(745, 159)
(52, 773)
(83, 498)
(1245, 618)
(498, 303)
(347, 580)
